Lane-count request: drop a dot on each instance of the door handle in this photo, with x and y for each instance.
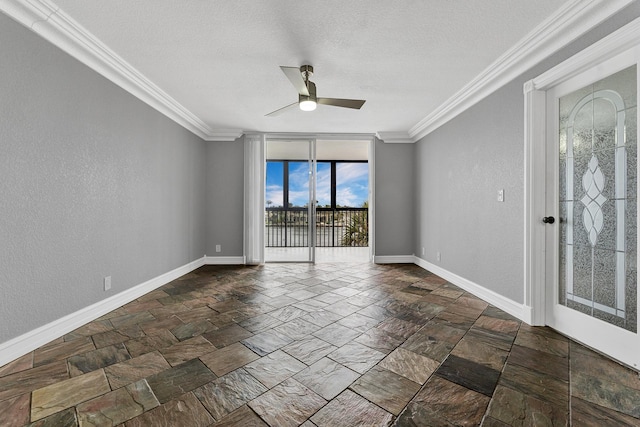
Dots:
(548, 220)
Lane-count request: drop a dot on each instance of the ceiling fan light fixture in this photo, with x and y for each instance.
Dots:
(308, 105)
(307, 98)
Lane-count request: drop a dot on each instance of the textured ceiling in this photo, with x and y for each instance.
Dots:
(220, 59)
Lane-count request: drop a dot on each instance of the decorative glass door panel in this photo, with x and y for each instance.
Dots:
(593, 285)
(598, 200)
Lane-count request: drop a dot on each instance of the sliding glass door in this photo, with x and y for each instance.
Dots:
(290, 201)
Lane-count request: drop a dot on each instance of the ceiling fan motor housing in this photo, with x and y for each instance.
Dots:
(311, 86)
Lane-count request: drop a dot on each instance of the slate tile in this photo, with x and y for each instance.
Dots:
(266, 342)
(378, 339)
(96, 359)
(30, 379)
(499, 325)
(322, 318)
(243, 416)
(15, 411)
(65, 394)
(492, 338)
(130, 371)
(192, 329)
(158, 326)
(260, 323)
(542, 342)
(288, 313)
(184, 410)
(356, 357)
(20, 364)
(297, 329)
(342, 308)
(535, 384)
(375, 312)
(398, 328)
(492, 311)
(63, 350)
(118, 336)
(66, 418)
(451, 402)
(227, 335)
(327, 378)
(585, 413)
(350, 409)
(173, 383)
(386, 389)
(410, 365)
(588, 362)
(187, 350)
(229, 392)
(469, 374)
(274, 368)
(358, 322)
(131, 319)
(478, 351)
(309, 350)
(606, 393)
(147, 344)
(288, 404)
(329, 298)
(336, 334)
(514, 408)
(91, 328)
(117, 406)
(229, 358)
(541, 361)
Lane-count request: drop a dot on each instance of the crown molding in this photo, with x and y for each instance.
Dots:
(395, 137)
(570, 21)
(227, 135)
(47, 20)
(616, 43)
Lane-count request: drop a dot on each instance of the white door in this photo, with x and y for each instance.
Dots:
(591, 227)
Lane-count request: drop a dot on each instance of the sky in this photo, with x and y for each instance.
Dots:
(352, 184)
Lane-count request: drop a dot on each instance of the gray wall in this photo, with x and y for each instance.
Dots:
(93, 182)
(225, 197)
(394, 199)
(461, 166)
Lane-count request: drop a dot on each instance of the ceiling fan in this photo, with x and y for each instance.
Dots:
(307, 99)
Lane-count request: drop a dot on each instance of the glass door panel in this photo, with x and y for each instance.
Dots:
(592, 278)
(289, 210)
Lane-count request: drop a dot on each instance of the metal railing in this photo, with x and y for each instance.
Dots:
(288, 227)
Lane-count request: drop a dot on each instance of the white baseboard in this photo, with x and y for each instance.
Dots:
(515, 309)
(224, 260)
(23, 344)
(394, 259)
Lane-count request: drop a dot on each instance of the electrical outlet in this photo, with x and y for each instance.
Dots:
(218, 248)
(423, 250)
(501, 195)
(438, 255)
(107, 283)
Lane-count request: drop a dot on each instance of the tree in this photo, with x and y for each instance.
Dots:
(357, 230)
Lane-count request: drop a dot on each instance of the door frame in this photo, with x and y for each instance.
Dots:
(618, 45)
(258, 214)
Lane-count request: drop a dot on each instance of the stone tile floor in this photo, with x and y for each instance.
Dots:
(324, 345)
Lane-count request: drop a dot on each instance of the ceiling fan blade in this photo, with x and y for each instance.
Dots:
(281, 110)
(295, 77)
(346, 103)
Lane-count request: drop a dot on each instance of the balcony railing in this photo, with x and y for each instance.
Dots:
(288, 227)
